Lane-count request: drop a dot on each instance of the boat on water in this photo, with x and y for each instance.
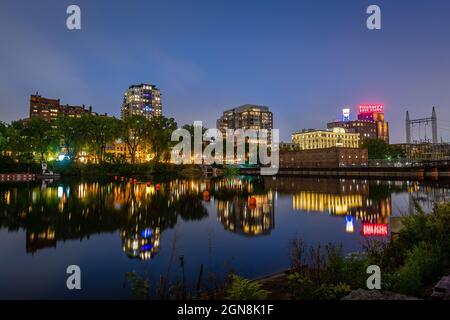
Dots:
(46, 173)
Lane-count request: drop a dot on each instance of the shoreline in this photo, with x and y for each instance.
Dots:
(362, 173)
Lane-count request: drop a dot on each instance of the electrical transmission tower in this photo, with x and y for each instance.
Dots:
(425, 122)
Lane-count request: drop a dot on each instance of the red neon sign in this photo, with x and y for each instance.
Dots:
(371, 108)
(374, 229)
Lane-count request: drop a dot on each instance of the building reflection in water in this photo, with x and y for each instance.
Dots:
(252, 216)
(426, 195)
(352, 199)
(141, 211)
(244, 207)
(143, 244)
(40, 240)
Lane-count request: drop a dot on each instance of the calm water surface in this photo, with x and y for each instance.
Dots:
(244, 224)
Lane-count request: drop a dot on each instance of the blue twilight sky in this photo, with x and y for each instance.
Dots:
(304, 59)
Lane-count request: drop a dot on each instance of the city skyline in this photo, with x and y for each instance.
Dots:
(306, 61)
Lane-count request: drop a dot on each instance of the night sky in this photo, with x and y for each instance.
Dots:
(306, 60)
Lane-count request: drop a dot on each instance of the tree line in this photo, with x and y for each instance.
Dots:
(35, 139)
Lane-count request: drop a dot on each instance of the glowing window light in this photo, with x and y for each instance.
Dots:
(147, 247)
(146, 233)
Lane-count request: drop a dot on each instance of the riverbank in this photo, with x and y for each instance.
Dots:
(71, 169)
(276, 285)
(361, 172)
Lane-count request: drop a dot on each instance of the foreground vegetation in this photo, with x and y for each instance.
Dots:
(411, 262)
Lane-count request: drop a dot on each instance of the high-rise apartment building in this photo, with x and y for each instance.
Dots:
(50, 109)
(142, 99)
(245, 117)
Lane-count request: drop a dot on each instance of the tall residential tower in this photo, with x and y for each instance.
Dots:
(245, 117)
(142, 99)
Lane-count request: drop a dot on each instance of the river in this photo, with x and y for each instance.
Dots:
(110, 227)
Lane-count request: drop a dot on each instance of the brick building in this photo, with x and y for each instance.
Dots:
(50, 109)
(324, 158)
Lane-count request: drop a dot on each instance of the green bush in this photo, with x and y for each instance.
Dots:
(422, 266)
(244, 289)
(417, 228)
(301, 287)
(441, 220)
(334, 264)
(332, 292)
(354, 270)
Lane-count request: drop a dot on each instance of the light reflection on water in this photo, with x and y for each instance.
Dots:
(112, 227)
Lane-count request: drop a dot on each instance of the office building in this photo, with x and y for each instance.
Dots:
(142, 99)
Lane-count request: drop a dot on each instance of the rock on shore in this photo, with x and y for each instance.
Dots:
(362, 294)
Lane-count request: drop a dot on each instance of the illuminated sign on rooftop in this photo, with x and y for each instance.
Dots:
(371, 108)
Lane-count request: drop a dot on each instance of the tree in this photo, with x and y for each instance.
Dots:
(379, 149)
(396, 152)
(41, 137)
(159, 135)
(16, 143)
(72, 135)
(3, 138)
(99, 131)
(134, 133)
